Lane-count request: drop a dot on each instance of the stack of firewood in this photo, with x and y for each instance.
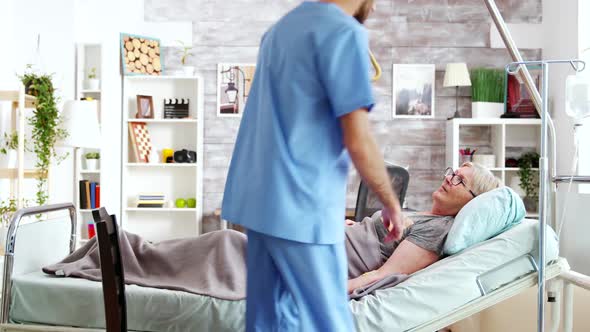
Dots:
(142, 55)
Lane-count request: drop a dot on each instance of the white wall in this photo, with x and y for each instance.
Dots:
(21, 26)
(61, 27)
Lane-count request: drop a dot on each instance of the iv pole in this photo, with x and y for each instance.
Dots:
(546, 125)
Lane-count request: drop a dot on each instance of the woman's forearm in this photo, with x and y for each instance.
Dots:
(364, 280)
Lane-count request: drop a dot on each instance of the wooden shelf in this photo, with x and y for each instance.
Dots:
(494, 121)
(90, 172)
(161, 77)
(163, 165)
(161, 209)
(163, 120)
(30, 101)
(12, 173)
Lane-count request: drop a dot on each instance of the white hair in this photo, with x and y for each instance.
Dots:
(483, 179)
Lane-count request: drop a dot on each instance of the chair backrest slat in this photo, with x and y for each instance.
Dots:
(111, 267)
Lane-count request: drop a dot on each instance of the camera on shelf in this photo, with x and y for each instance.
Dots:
(185, 156)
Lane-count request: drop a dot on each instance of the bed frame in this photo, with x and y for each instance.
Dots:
(559, 271)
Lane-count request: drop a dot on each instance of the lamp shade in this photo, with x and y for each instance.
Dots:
(80, 120)
(456, 74)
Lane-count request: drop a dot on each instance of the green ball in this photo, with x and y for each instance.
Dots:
(180, 203)
(192, 203)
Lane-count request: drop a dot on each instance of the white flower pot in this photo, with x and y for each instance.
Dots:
(188, 70)
(93, 84)
(9, 159)
(92, 164)
(483, 110)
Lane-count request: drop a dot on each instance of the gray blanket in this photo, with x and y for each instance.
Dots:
(213, 264)
(364, 255)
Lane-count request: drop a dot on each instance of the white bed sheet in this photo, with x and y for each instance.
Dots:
(450, 283)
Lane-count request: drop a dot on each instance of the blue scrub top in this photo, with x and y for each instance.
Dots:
(289, 168)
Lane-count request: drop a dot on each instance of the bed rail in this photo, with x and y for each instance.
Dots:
(15, 224)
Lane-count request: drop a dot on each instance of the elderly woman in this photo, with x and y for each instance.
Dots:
(425, 233)
(214, 264)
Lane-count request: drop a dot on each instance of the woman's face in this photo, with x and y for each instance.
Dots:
(449, 199)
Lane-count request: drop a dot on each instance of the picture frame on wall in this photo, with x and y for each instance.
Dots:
(233, 87)
(140, 55)
(145, 107)
(413, 89)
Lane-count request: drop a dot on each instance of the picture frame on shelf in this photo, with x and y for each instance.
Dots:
(233, 87)
(413, 91)
(145, 107)
(517, 100)
(140, 55)
(140, 142)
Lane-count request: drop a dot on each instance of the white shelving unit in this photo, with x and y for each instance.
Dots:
(174, 180)
(508, 138)
(88, 56)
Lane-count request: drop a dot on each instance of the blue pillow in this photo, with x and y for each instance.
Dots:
(484, 217)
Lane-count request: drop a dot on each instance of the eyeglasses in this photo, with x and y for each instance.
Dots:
(457, 179)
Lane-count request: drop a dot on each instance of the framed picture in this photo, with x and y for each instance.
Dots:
(233, 87)
(140, 55)
(141, 143)
(413, 90)
(145, 107)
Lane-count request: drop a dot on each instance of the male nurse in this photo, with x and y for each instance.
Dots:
(305, 118)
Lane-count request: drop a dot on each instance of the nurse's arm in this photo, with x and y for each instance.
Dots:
(366, 156)
(406, 259)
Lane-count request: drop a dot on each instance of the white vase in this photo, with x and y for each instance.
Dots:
(9, 159)
(188, 70)
(93, 84)
(485, 110)
(92, 164)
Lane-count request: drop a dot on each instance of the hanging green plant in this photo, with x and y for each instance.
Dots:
(46, 129)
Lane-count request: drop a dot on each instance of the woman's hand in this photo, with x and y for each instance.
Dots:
(393, 221)
(349, 222)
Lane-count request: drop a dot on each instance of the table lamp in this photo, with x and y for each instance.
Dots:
(456, 74)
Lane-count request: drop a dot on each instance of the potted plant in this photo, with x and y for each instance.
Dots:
(529, 180)
(92, 160)
(487, 93)
(8, 155)
(46, 129)
(92, 82)
(7, 209)
(186, 70)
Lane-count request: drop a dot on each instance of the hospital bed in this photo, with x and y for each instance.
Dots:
(447, 291)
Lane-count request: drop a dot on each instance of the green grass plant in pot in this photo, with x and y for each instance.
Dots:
(487, 92)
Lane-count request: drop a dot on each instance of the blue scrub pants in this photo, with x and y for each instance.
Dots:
(294, 286)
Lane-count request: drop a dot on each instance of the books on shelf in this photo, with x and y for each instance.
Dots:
(151, 200)
(89, 195)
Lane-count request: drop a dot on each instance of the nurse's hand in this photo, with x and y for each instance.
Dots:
(393, 221)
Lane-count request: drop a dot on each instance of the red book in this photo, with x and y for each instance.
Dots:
(97, 196)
